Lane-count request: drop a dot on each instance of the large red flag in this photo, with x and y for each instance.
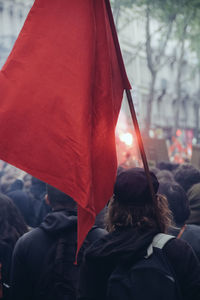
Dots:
(60, 94)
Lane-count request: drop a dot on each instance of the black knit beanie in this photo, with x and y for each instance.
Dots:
(132, 187)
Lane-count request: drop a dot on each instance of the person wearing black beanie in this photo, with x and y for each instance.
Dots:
(133, 221)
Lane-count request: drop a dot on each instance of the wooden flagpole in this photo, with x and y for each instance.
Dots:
(130, 100)
(140, 143)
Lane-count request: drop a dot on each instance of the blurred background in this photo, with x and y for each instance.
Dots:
(160, 42)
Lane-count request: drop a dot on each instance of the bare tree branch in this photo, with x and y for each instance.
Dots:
(149, 50)
(163, 48)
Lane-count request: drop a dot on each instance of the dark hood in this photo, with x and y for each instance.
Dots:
(58, 221)
(123, 245)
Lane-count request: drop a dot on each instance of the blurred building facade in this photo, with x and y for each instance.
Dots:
(12, 16)
(131, 30)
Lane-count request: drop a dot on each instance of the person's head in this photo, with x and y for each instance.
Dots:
(59, 200)
(37, 188)
(154, 170)
(194, 203)
(166, 165)
(187, 175)
(132, 204)
(177, 199)
(12, 224)
(27, 182)
(6, 181)
(165, 175)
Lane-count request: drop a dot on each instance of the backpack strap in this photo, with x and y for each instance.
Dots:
(159, 241)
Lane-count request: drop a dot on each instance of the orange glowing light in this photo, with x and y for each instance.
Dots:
(178, 132)
(127, 138)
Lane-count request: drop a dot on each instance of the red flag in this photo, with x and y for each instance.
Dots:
(61, 90)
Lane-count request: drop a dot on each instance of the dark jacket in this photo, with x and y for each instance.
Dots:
(6, 250)
(31, 249)
(24, 204)
(128, 246)
(191, 235)
(22, 200)
(194, 203)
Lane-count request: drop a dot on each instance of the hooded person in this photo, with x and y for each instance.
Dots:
(37, 193)
(187, 175)
(165, 175)
(133, 221)
(177, 200)
(35, 261)
(179, 206)
(194, 203)
(166, 165)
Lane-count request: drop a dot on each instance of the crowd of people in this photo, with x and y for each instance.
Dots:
(139, 247)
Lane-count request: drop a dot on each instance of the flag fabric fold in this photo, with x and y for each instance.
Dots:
(60, 94)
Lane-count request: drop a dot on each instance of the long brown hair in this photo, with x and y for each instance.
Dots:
(139, 216)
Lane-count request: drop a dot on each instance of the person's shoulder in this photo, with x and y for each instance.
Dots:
(176, 244)
(191, 233)
(192, 228)
(97, 248)
(28, 238)
(178, 250)
(30, 234)
(96, 233)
